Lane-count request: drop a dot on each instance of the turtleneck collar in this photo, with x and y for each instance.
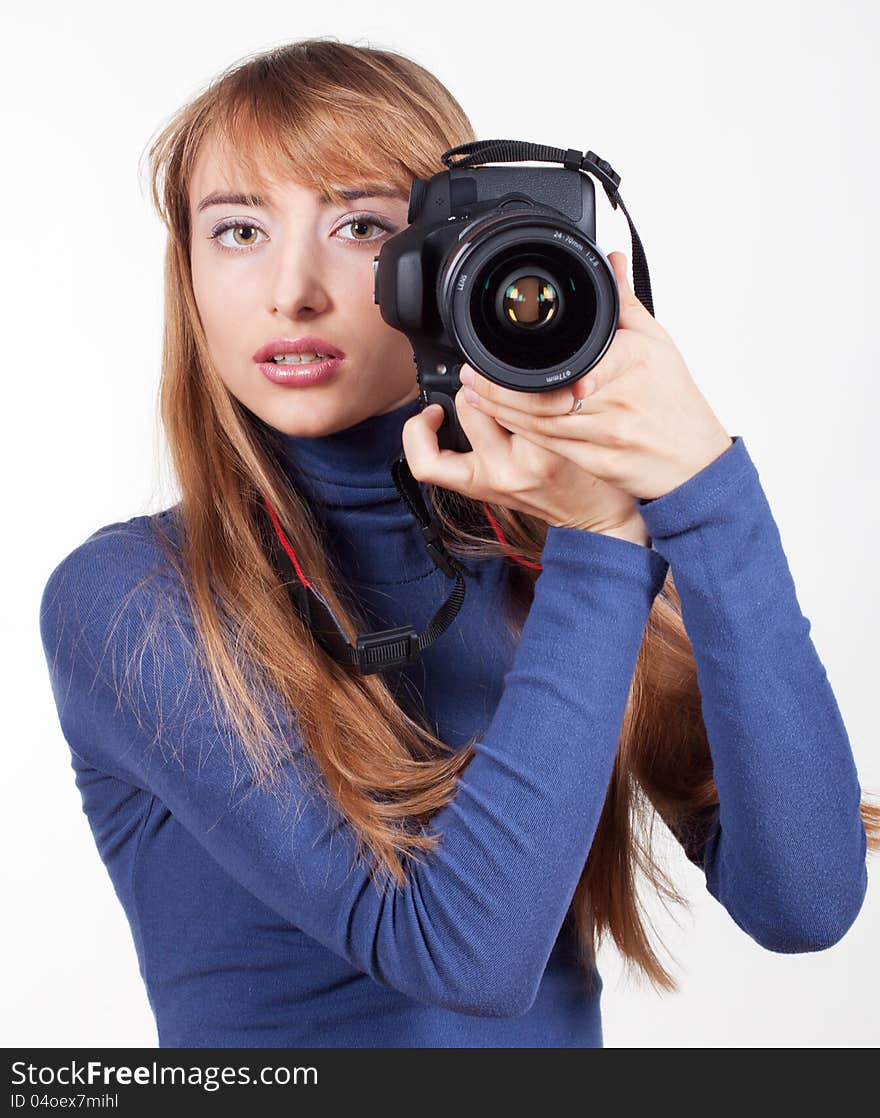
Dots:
(346, 478)
(360, 455)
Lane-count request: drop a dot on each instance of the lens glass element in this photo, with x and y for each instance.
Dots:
(530, 302)
(533, 305)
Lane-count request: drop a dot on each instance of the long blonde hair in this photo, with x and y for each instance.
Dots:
(303, 109)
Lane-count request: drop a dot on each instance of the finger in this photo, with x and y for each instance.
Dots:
(573, 426)
(487, 439)
(453, 469)
(634, 315)
(535, 403)
(587, 455)
(626, 349)
(499, 454)
(426, 460)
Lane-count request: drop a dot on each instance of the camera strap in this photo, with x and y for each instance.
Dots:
(385, 648)
(391, 648)
(515, 151)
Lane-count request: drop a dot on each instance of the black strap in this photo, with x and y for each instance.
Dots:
(385, 648)
(514, 151)
(409, 490)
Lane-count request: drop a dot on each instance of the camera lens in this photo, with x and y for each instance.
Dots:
(533, 305)
(527, 298)
(529, 301)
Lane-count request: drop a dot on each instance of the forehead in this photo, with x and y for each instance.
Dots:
(217, 175)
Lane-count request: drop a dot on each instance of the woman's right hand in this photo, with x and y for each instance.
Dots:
(506, 469)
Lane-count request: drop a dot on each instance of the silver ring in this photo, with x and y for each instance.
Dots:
(575, 407)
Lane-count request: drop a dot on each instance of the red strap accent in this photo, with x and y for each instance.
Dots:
(286, 545)
(281, 536)
(504, 543)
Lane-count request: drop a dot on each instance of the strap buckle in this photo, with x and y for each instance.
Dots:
(388, 648)
(603, 170)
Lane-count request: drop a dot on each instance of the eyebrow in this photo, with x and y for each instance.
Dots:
(226, 198)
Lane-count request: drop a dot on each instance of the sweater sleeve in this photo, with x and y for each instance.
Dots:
(785, 850)
(473, 927)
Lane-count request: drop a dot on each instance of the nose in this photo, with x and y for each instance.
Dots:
(298, 284)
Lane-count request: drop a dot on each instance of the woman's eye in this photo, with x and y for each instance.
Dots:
(245, 242)
(245, 236)
(362, 221)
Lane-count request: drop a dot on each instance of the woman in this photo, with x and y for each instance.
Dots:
(428, 856)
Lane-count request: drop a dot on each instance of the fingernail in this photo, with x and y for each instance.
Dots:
(589, 386)
(471, 396)
(466, 376)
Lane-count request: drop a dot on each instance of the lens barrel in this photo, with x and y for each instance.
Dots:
(529, 299)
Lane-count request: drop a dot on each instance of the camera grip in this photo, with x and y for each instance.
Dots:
(450, 434)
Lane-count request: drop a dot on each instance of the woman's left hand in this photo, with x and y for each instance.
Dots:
(644, 426)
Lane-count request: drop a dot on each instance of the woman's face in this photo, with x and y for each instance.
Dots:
(292, 267)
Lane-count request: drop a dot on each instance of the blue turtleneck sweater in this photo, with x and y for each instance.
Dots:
(252, 922)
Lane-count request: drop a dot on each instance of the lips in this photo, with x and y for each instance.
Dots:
(309, 344)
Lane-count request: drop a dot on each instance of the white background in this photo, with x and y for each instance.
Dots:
(745, 141)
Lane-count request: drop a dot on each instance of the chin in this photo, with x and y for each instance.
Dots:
(309, 418)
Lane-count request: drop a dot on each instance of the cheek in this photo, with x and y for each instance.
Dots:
(204, 284)
(218, 304)
(217, 295)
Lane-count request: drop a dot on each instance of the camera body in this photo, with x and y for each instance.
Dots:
(498, 267)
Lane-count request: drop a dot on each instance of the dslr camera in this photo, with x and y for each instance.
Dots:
(499, 267)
